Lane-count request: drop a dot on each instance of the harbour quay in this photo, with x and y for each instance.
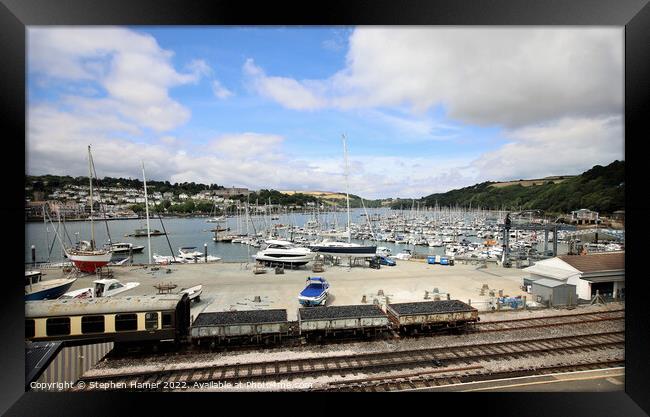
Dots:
(233, 286)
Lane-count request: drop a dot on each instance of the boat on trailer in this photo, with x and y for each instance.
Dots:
(315, 292)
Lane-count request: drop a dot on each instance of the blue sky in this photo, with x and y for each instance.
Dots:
(424, 109)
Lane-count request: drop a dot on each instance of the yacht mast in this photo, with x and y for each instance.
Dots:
(92, 224)
(146, 208)
(347, 185)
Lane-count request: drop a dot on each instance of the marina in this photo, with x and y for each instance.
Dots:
(262, 249)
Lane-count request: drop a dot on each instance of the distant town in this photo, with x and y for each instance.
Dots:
(69, 198)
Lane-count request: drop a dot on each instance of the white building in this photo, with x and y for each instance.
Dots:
(604, 272)
(584, 216)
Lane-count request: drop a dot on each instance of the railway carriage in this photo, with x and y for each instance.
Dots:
(154, 318)
(431, 315)
(241, 326)
(368, 320)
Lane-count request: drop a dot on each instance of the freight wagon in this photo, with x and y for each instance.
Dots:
(367, 320)
(241, 326)
(431, 315)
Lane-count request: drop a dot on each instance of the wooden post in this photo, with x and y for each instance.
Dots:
(205, 252)
(33, 255)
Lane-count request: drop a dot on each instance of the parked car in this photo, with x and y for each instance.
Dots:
(384, 260)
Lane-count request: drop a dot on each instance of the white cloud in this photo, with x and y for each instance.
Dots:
(132, 69)
(556, 93)
(168, 140)
(247, 145)
(287, 91)
(220, 91)
(486, 76)
(566, 146)
(200, 68)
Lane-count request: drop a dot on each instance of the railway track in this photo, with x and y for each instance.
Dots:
(424, 380)
(489, 326)
(550, 321)
(345, 365)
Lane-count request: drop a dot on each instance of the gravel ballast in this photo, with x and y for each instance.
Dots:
(340, 312)
(431, 307)
(240, 317)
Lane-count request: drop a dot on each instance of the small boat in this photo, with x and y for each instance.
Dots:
(37, 289)
(166, 260)
(110, 287)
(404, 255)
(190, 254)
(143, 233)
(80, 293)
(216, 219)
(194, 293)
(125, 247)
(315, 293)
(383, 251)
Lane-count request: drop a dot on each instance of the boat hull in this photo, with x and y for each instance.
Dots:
(50, 293)
(90, 262)
(135, 249)
(346, 251)
(294, 260)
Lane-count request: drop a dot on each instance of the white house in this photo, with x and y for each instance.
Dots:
(604, 272)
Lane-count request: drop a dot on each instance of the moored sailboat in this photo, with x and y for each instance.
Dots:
(345, 249)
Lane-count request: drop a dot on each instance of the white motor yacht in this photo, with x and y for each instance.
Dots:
(284, 252)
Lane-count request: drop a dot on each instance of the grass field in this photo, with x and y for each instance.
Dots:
(528, 183)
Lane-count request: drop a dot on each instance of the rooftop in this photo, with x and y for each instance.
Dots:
(546, 282)
(596, 262)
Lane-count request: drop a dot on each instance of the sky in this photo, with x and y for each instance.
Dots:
(424, 109)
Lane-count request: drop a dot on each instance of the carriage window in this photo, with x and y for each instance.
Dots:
(167, 320)
(125, 322)
(92, 324)
(58, 326)
(29, 328)
(151, 321)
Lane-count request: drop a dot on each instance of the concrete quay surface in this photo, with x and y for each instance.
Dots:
(233, 286)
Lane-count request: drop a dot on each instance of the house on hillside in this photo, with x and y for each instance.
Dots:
(584, 216)
(602, 272)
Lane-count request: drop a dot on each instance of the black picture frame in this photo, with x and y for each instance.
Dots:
(634, 15)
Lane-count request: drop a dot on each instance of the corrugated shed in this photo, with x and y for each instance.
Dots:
(72, 361)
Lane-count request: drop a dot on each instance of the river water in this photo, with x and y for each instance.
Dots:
(195, 232)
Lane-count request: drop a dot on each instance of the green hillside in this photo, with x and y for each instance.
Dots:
(600, 188)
